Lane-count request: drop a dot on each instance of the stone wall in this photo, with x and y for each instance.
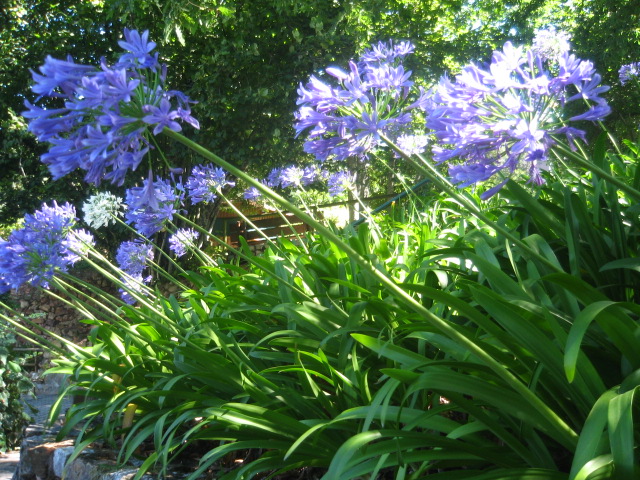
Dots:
(55, 315)
(58, 317)
(42, 457)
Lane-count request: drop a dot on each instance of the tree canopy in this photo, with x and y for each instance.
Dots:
(243, 60)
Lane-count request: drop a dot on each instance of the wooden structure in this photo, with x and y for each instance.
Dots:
(260, 227)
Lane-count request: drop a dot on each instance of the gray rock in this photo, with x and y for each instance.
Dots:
(59, 459)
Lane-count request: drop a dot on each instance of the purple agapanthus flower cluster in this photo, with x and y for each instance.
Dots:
(102, 125)
(133, 257)
(297, 177)
(629, 72)
(205, 183)
(345, 116)
(503, 120)
(47, 243)
(340, 182)
(293, 176)
(181, 241)
(149, 207)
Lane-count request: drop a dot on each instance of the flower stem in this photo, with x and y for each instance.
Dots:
(441, 182)
(590, 166)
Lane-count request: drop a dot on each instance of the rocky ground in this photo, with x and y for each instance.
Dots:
(45, 396)
(8, 464)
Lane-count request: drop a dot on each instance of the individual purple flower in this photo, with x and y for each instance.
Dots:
(206, 182)
(594, 114)
(503, 121)
(46, 244)
(183, 240)
(162, 116)
(252, 193)
(134, 256)
(152, 205)
(629, 72)
(59, 78)
(138, 48)
(107, 113)
(550, 44)
(340, 182)
(344, 116)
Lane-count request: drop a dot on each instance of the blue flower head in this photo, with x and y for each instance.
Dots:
(502, 121)
(108, 112)
(629, 72)
(344, 116)
(251, 193)
(340, 182)
(206, 182)
(133, 258)
(152, 205)
(183, 240)
(47, 243)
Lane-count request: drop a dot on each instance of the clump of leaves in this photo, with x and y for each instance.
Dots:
(14, 383)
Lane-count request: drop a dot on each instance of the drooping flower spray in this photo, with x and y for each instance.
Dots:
(504, 121)
(103, 126)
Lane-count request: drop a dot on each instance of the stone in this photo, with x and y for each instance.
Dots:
(59, 459)
(90, 465)
(36, 455)
(44, 459)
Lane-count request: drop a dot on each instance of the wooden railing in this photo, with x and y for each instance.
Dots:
(273, 225)
(269, 226)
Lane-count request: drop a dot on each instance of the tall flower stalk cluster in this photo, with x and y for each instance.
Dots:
(295, 177)
(499, 121)
(503, 121)
(46, 244)
(343, 117)
(103, 125)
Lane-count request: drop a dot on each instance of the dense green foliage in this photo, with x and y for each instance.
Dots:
(14, 386)
(454, 338)
(608, 32)
(444, 355)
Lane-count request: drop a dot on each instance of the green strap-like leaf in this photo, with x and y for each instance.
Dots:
(591, 441)
(576, 334)
(621, 435)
